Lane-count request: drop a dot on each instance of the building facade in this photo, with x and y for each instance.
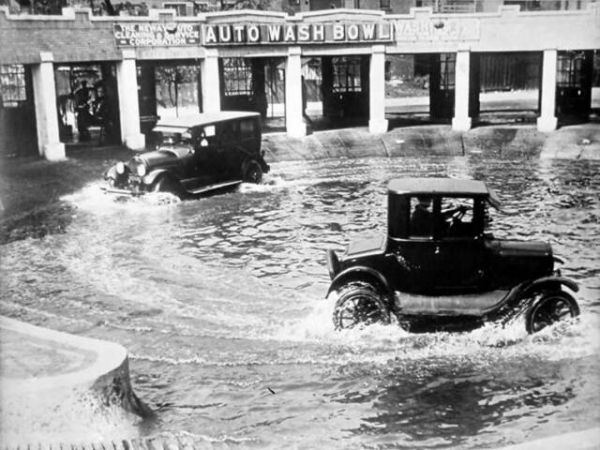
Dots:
(66, 74)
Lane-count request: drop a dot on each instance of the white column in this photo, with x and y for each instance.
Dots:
(461, 120)
(129, 110)
(377, 122)
(211, 86)
(547, 120)
(46, 115)
(293, 94)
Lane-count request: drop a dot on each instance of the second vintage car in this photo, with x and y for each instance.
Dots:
(195, 155)
(438, 269)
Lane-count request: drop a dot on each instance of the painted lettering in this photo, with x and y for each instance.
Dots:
(238, 33)
(303, 33)
(253, 33)
(338, 32)
(318, 32)
(352, 32)
(224, 33)
(368, 31)
(209, 36)
(290, 34)
(274, 33)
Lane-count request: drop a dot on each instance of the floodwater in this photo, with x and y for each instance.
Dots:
(220, 302)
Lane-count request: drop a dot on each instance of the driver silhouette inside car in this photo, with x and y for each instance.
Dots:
(422, 219)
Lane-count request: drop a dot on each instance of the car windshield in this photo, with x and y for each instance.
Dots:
(170, 138)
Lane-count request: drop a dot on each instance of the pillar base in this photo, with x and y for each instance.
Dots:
(545, 124)
(54, 152)
(378, 126)
(135, 141)
(296, 130)
(461, 123)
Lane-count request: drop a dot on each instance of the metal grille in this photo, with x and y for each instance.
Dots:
(237, 77)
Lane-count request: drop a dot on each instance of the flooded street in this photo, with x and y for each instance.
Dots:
(220, 302)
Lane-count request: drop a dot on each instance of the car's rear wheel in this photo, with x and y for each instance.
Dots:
(359, 304)
(550, 308)
(253, 172)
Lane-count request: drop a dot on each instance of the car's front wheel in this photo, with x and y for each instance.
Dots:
(166, 184)
(550, 308)
(253, 172)
(359, 304)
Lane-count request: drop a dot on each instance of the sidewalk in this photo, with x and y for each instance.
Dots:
(55, 385)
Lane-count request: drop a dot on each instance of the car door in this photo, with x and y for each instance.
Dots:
(459, 248)
(204, 142)
(416, 253)
(225, 167)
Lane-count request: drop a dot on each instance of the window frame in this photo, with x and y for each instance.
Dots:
(13, 93)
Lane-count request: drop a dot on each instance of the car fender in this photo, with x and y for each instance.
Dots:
(550, 281)
(111, 173)
(152, 176)
(361, 273)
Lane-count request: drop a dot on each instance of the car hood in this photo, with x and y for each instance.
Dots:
(366, 246)
(165, 155)
(519, 249)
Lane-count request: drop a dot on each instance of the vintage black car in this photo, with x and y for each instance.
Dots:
(195, 155)
(438, 270)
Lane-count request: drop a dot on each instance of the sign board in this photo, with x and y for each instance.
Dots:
(156, 34)
(307, 33)
(444, 30)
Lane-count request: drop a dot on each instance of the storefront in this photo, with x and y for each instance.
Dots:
(137, 69)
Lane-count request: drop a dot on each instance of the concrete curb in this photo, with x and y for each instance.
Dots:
(54, 384)
(573, 142)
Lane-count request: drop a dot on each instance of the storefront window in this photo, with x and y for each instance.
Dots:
(346, 74)
(237, 77)
(12, 85)
(447, 68)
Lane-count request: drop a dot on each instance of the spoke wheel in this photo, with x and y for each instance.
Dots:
(549, 309)
(253, 173)
(359, 304)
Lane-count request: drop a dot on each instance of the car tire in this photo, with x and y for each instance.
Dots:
(550, 308)
(253, 172)
(166, 184)
(359, 304)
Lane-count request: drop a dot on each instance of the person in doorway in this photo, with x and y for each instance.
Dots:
(82, 109)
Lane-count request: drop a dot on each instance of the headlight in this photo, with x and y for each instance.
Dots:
(120, 167)
(141, 170)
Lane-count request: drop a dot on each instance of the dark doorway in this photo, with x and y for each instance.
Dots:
(508, 86)
(574, 85)
(88, 104)
(255, 84)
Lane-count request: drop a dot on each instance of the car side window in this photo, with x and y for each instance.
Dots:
(228, 133)
(421, 217)
(457, 213)
(247, 129)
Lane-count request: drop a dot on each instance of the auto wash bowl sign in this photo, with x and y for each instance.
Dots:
(312, 33)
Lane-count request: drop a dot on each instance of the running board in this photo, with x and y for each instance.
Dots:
(214, 187)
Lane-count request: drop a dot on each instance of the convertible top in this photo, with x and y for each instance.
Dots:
(174, 124)
(442, 186)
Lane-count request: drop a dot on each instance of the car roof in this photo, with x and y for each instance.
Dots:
(208, 118)
(442, 186)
